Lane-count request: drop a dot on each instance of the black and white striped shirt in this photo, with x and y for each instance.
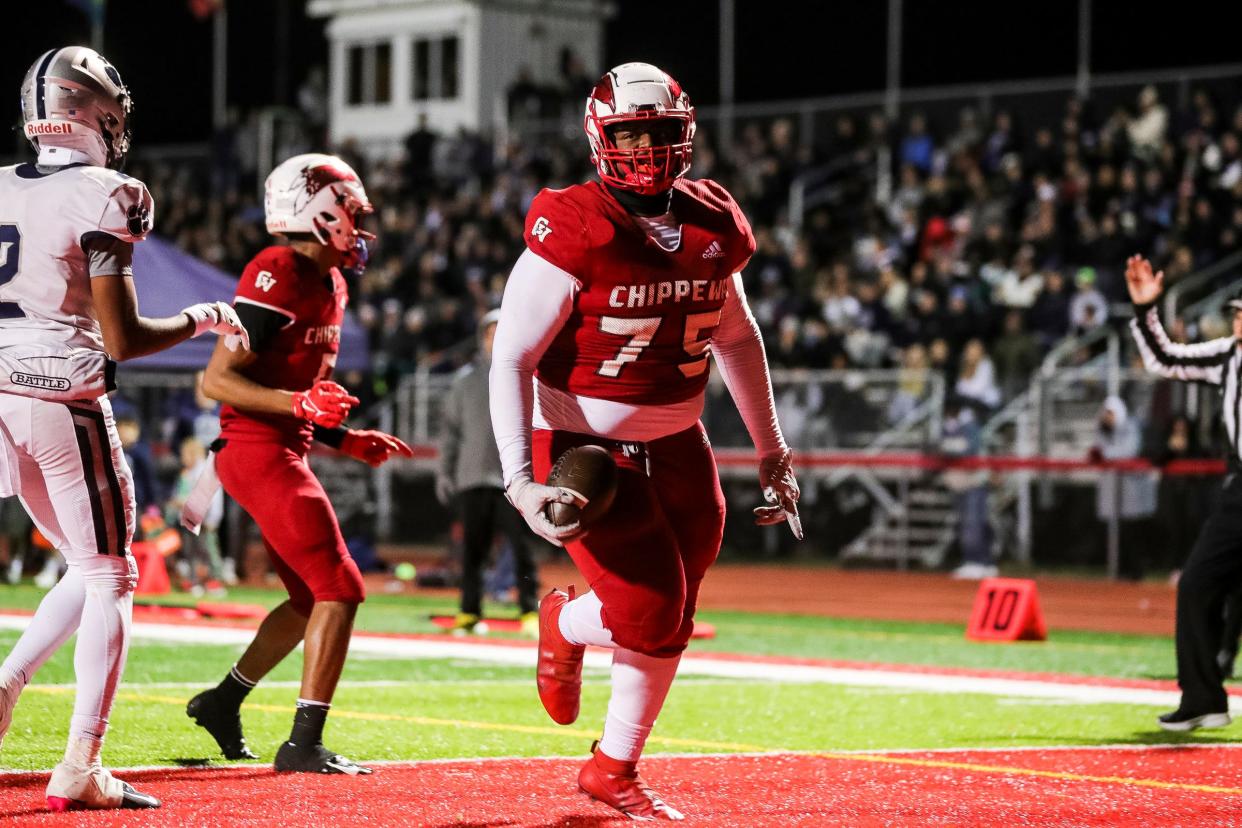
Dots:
(1216, 362)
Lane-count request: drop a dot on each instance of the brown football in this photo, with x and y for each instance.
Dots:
(589, 471)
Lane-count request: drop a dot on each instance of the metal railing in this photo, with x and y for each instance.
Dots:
(1213, 302)
(981, 93)
(1174, 297)
(851, 410)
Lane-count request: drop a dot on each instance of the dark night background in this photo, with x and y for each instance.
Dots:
(785, 48)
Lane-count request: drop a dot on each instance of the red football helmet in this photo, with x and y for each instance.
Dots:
(636, 92)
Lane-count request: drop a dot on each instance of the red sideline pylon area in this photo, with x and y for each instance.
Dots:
(1007, 609)
(152, 573)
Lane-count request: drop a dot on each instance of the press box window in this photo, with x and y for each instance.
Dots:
(435, 67)
(369, 79)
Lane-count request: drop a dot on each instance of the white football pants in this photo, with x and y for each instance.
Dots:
(64, 461)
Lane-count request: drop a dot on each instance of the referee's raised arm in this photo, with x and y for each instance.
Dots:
(1197, 362)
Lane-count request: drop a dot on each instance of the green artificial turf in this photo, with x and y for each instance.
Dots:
(945, 645)
(447, 709)
(455, 708)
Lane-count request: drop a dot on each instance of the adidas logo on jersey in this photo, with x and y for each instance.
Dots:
(264, 281)
(714, 251)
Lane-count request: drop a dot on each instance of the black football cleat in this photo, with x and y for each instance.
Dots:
(222, 722)
(291, 758)
(1184, 721)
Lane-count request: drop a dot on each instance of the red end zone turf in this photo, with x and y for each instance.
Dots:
(1183, 786)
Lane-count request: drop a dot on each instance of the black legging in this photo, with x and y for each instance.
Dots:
(1211, 578)
(483, 511)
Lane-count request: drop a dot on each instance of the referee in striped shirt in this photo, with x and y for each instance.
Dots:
(1214, 569)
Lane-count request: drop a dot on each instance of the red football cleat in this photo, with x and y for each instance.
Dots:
(618, 785)
(559, 670)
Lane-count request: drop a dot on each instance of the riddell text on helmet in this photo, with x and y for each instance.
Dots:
(36, 128)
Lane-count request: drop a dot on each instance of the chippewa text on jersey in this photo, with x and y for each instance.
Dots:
(657, 293)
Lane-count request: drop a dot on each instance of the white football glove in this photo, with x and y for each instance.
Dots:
(531, 498)
(445, 489)
(219, 318)
(780, 490)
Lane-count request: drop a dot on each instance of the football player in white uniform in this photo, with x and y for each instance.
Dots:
(68, 224)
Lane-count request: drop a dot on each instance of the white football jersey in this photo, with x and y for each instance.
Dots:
(45, 291)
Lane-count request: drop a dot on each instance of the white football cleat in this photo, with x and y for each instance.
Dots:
(78, 786)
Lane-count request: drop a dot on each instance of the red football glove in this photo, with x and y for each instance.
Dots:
(326, 404)
(373, 447)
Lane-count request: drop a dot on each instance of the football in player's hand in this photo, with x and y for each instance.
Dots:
(588, 471)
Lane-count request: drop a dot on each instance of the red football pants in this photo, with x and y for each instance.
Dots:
(276, 486)
(647, 556)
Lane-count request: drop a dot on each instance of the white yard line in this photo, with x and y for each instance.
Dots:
(692, 665)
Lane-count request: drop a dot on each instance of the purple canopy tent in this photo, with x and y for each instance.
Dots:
(168, 279)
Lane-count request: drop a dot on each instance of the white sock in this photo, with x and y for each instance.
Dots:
(83, 751)
(58, 617)
(103, 643)
(581, 622)
(640, 684)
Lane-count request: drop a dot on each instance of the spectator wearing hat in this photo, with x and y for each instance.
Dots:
(469, 479)
(1088, 308)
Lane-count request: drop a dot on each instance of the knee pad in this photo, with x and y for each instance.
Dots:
(678, 642)
(114, 573)
(650, 634)
(344, 585)
(302, 603)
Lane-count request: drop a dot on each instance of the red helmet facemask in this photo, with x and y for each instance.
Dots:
(625, 97)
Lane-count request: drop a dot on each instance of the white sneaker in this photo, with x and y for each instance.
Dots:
(78, 786)
(9, 691)
(975, 572)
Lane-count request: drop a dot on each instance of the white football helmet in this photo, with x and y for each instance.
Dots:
(320, 195)
(73, 97)
(633, 92)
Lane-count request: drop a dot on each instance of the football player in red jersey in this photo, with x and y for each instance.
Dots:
(627, 285)
(277, 398)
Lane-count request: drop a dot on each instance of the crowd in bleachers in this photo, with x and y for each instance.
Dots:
(968, 247)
